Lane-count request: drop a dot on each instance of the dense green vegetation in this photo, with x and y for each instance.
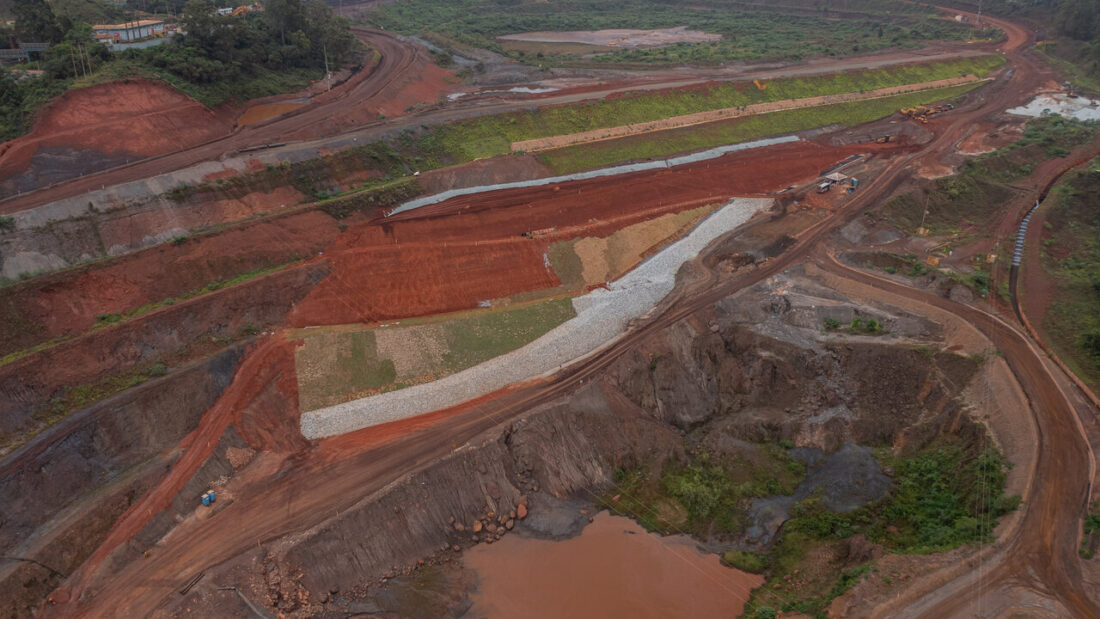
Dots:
(218, 59)
(943, 496)
(968, 201)
(750, 30)
(709, 496)
(1071, 254)
(666, 143)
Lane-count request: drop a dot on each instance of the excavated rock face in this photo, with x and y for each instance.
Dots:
(690, 384)
(753, 387)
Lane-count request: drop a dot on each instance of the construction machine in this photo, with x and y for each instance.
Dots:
(760, 85)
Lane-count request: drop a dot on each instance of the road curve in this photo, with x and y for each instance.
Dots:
(337, 472)
(395, 58)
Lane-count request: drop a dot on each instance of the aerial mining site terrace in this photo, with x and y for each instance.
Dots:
(536, 308)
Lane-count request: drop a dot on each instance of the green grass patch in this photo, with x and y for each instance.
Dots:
(339, 364)
(666, 143)
(485, 336)
(943, 497)
(970, 200)
(707, 496)
(492, 135)
(745, 561)
(1071, 255)
(791, 30)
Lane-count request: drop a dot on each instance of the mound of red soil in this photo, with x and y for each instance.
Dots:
(108, 124)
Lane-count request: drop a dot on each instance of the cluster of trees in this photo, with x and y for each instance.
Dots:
(242, 56)
(287, 34)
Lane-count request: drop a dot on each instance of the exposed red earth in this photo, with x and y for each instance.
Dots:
(455, 254)
(117, 122)
(451, 255)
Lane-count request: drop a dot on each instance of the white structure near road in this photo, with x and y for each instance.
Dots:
(602, 316)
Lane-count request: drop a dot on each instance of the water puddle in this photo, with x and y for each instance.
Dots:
(614, 568)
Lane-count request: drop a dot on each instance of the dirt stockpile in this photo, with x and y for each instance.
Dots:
(460, 252)
(98, 127)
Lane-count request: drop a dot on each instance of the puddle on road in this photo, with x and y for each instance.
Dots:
(260, 113)
(614, 568)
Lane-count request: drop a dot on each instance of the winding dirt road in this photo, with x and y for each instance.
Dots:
(333, 474)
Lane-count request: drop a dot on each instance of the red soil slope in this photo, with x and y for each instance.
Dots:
(139, 118)
(455, 254)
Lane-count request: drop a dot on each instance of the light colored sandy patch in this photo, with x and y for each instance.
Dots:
(618, 37)
(607, 258)
(415, 351)
(260, 113)
(934, 170)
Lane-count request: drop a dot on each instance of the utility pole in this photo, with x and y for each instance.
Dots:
(979, 13)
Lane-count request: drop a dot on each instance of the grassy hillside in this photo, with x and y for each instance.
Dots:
(1071, 255)
(750, 30)
(493, 135)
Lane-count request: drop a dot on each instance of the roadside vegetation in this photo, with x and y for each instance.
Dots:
(1071, 255)
(967, 202)
(217, 59)
(946, 495)
(750, 31)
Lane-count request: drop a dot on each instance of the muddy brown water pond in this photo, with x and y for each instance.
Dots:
(614, 568)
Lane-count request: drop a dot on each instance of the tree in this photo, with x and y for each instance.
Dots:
(284, 17)
(35, 21)
(327, 33)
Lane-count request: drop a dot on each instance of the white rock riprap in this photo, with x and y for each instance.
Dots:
(602, 316)
(1079, 108)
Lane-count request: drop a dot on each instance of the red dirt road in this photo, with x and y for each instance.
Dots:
(335, 473)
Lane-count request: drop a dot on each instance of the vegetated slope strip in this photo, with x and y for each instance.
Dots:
(733, 112)
(664, 143)
(747, 33)
(1071, 254)
(493, 135)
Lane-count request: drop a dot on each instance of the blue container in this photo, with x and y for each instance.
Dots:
(206, 500)
(213, 497)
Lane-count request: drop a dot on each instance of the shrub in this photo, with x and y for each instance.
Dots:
(158, 369)
(832, 324)
(7, 223)
(744, 561)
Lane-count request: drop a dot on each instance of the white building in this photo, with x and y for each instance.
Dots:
(129, 31)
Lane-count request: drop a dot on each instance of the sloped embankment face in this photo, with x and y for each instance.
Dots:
(687, 385)
(103, 126)
(60, 494)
